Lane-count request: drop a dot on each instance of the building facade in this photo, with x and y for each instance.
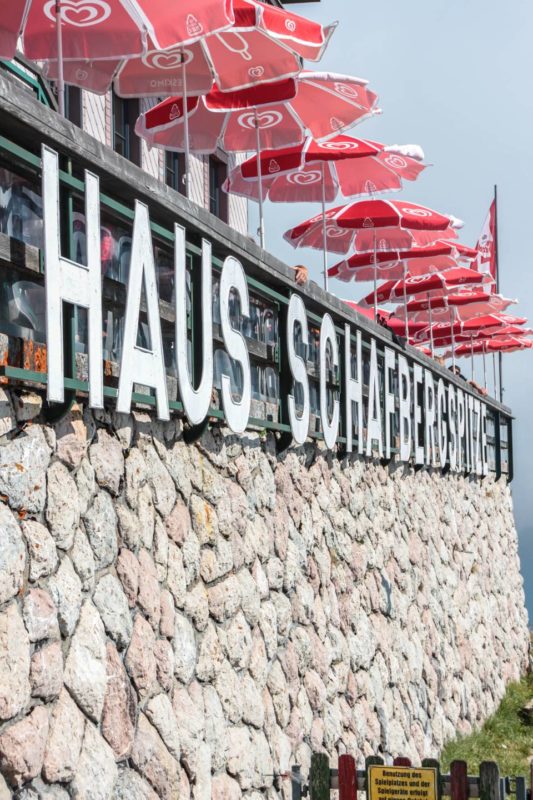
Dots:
(190, 609)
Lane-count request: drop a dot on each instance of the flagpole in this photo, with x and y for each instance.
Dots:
(500, 364)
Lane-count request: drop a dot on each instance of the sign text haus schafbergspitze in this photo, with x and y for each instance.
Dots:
(437, 424)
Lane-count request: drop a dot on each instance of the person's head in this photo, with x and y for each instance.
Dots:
(455, 369)
(441, 361)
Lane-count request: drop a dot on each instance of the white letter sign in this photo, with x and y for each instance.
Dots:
(69, 282)
(138, 364)
(330, 428)
(237, 411)
(196, 402)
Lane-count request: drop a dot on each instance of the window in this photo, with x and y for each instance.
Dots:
(125, 142)
(73, 107)
(218, 199)
(174, 171)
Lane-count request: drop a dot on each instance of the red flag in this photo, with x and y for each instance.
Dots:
(486, 260)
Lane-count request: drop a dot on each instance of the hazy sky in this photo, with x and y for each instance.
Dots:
(454, 76)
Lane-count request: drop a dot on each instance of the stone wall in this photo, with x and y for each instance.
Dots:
(189, 620)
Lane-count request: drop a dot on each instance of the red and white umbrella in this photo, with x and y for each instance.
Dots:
(89, 30)
(280, 112)
(444, 282)
(440, 282)
(397, 264)
(444, 333)
(270, 115)
(500, 344)
(264, 44)
(374, 225)
(461, 305)
(318, 171)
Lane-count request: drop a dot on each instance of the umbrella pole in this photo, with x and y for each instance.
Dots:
(186, 126)
(453, 339)
(484, 367)
(494, 373)
(453, 346)
(431, 326)
(405, 302)
(60, 78)
(375, 280)
(472, 354)
(260, 177)
(324, 231)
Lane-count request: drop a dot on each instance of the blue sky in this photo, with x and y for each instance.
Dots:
(456, 77)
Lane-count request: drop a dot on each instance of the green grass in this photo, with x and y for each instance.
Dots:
(504, 738)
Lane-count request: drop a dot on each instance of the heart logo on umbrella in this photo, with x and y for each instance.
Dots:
(81, 75)
(335, 233)
(267, 119)
(80, 13)
(345, 90)
(167, 59)
(273, 166)
(417, 212)
(397, 162)
(336, 124)
(256, 72)
(304, 178)
(290, 24)
(338, 145)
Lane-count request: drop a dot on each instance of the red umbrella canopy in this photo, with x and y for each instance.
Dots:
(342, 164)
(397, 326)
(392, 291)
(104, 29)
(462, 306)
(489, 325)
(264, 44)
(322, 103)
(393, 264)
(502, 344)
(374, 225)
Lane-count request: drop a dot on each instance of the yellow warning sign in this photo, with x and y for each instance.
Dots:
(401, 783)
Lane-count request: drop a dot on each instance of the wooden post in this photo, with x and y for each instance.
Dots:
(296, 782)
(347, 778)
(520, 784)
(459, 780)
(319, 777)
(370, 761)
(489, 781)
(434, 764)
